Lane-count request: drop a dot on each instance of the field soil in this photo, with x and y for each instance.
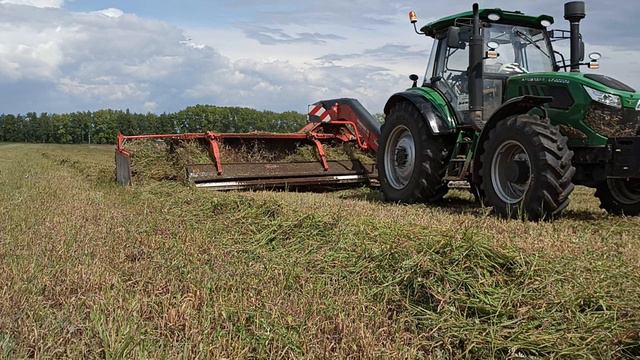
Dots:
(163, 270)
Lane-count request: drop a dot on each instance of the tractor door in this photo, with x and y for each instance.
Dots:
(450, 74)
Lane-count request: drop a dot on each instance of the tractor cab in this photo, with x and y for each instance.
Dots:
(513, 44)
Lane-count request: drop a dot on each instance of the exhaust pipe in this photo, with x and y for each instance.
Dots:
(574, 12)
(475, 71)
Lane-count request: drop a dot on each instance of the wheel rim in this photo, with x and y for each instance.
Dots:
(511, 172)
(400, 157)
(625, 191)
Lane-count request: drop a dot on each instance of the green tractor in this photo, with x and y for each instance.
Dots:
(500, 109)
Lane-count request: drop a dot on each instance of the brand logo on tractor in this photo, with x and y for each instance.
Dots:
(638, 106)
(549, 80)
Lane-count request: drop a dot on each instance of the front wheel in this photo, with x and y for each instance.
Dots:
(620, 196)
(411, 161)
(526, 169)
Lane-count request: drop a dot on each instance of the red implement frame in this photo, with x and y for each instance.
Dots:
(347, 127)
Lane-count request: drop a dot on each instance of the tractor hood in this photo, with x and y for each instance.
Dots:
(610, 82)
(629, 97)
(590, 109)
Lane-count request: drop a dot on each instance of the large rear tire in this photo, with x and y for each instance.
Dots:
(620, 197)
(411, 161)
(526, 169)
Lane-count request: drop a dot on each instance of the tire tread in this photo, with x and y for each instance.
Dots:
(551, 193)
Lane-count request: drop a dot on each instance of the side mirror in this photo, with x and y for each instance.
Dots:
(453, 38)
(414, 78)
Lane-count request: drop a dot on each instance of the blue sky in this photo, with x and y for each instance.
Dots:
(70, 55)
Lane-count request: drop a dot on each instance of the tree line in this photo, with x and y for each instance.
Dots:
(101, 127)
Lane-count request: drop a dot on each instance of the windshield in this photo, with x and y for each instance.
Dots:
(522, 50)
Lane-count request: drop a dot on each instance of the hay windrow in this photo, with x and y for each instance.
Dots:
(345, 152)
(167, 160)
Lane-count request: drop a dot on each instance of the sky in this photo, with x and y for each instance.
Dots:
(281, 55)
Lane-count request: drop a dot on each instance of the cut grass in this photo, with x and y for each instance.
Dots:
(154, 161)
(89, 269)
(165, 160)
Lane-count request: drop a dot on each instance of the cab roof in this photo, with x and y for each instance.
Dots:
(506, 17)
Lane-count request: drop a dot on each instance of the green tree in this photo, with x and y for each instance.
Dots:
(101, 126)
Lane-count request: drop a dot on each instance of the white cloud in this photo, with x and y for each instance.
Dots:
(150, 106)
(113, 59)
(105, 88)
(110, 12)
(36, 3)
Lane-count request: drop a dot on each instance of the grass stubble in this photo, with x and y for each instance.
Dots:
(89, 269)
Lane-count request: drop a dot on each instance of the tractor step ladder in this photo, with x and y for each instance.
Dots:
(459, 164)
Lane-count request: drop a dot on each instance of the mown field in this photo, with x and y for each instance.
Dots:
(91, 270)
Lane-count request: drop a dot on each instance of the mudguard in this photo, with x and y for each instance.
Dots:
(514, 106)
(432, 107)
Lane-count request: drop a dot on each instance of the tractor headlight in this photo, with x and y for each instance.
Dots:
(604, 98)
